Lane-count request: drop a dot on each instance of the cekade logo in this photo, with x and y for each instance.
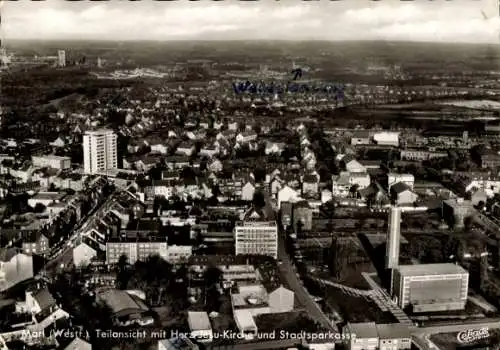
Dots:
(473, 335)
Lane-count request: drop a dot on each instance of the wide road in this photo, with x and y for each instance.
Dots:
(288, 272)
(446, 327)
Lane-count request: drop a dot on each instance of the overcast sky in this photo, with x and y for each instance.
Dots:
(421, 20)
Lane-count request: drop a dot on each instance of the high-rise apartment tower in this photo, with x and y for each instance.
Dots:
(99, 151)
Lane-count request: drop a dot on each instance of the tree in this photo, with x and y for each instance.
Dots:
(212, 277)
(39, 208)
(353, 190)
(122, 277)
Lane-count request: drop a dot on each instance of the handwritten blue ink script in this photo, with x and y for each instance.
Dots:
(262, 88)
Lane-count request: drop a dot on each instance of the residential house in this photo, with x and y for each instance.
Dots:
(248, 191)
(402, 194)
(302, 217)
(58, 142)
(246, 137)
(360, 137)
(185, 149)
(147, 163)
(159, 147)
(15, 267)
(393, 178)
(287, 194)
(84, 251)
(177, 162)
(209, 151)
(35, 242)
(274, 148)
(352, 165)
(215, 166)
(281, 300)
(490, 160)
(226, 135)
(310, 185)
(196, 135)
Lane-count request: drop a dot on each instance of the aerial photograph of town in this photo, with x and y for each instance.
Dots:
(265, 175)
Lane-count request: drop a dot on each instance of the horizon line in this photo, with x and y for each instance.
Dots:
(6, 40)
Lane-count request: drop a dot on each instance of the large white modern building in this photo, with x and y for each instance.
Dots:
(430, 287)
(256, 238)
(100, 151)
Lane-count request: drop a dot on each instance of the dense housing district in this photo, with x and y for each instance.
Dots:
(163, 211)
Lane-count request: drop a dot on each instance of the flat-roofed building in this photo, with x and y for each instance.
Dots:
(199, 325)
(245, 322)
(256, 238)
(430, 287)
(52, 161)
(136, 247)
(371, 336)
(362, 336)
(394, 336)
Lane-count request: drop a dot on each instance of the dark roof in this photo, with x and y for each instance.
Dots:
(44, 298)
(310, 178)
(6, 254)
(399, 187)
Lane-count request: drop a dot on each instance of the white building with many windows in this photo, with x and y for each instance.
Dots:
(256, 238)
(100, 151)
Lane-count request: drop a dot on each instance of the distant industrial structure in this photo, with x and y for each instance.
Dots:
(61, 58)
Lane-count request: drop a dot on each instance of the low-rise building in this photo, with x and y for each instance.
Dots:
(200, 327)
(135, 247)
(15, 267)
(51, 161)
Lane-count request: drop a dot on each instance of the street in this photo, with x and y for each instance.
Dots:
(65, 256)
(288, 272)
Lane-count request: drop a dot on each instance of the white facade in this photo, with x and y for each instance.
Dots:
(51, 161)
(16, 269)
(394, 178)
(61, 58)
(83, 254)
(431, 287)
(256, 238)
(178, 253)
(393, 238)
(386, 138)
(281, 300)
(199, 325)
(360, 179)
(100, 151)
